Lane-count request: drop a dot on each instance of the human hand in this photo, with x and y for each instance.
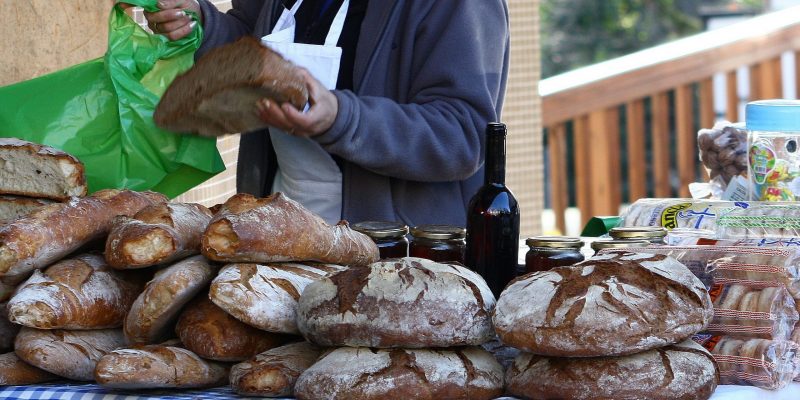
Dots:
(318, 119)
(172, 20)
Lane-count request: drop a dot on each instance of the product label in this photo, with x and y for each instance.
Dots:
(710, 342)
(762, 160)
(717, 291)
(669, 218)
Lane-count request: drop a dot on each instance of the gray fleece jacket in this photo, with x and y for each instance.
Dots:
(429, 75)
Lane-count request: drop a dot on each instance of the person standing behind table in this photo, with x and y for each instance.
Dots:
(401, 136)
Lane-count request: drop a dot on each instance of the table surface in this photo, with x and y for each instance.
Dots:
(73, 391)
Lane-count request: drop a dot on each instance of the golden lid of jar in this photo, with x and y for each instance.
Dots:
(381, 229)
(618, 244)
(638, 232)
(438, 232)
(554, 242)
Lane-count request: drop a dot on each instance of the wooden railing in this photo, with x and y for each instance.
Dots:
(660, 96)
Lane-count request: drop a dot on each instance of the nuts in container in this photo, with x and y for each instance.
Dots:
(723, 150)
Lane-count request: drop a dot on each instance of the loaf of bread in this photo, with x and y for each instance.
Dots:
(158, 234)
(78, 293)
(273, 373)
(408, 303)
(152, 316)
(14, 371)
(8, 330)
(682, 371)
(768, 313)
(265, 296)
(70, 354)
(15, 207)
(52, 232)
(219, 94)
(470, 373)
(613, 304)
(158, 366)
(34, 170)
(278, 229)
(214, 334)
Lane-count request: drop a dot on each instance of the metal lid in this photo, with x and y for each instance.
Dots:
(438, 232)
(381, 229)
(618, 244)
(554, 242)
(638, 232)
(773, 115)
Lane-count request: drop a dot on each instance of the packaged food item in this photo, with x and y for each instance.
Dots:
(768, 364)
(599, 245)
(653, 234)
(766, 313)
(774, 150)
(677, 213)
(390, 237)
(723, 150)
(760, 220)
(548, 252)
(441, 243)
(686, 240)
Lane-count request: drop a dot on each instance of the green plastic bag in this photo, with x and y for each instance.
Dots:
(101, 111)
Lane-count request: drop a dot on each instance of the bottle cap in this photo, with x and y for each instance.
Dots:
(554, 242)
(651, 233)
(773, 116)
(438, 232)
(618, 244)
(496, 129)
(381, 229)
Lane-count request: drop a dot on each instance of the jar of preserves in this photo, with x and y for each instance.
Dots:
(653, 234)
(548, 252)
(618, 244)
(389, 236)
(438, 243)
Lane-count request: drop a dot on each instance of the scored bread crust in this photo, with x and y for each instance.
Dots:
(274, 372)
(158, 366)
(682, 371)
(24, 165)
(14, 371)
(278, 229)
(580, 310)
(152, 316)
(49, 234)
(218, 94)
(158, 234)
(78, 293)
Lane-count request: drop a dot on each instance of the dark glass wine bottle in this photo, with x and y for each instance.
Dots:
(493, 218)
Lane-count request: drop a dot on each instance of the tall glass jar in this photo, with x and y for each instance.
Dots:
(653, 234)
(548, 252)
(389, 236)
(438, 243)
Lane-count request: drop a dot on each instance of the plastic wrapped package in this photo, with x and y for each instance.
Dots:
(677, 213)
(768, 364)
(705, 240)
(760, 220)
(723, 150)
(774, 150)
(766, 313)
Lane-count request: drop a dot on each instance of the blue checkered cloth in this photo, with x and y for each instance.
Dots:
(77, 391)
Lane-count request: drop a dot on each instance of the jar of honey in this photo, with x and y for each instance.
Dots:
(548, 252)
(618, 244)
(438, 243)
(653, 234)
(389, 236)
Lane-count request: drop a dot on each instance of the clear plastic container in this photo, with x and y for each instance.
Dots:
(774, 150)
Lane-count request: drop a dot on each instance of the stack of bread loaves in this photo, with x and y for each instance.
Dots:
(400, 329)
(614, 326)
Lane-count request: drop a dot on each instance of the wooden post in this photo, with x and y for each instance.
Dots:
(604, 162)
(583, 146)
(732, 97)
(707, 115)
(559, 181)
(661, 162)
(686, 138)
(637, 162)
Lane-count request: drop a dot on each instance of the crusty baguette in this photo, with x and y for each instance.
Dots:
(218, 95)
(8, 330)
(274, 372)
(14, 371)
(157, 366)
(158, 234)
(70, 354)
(265, 296)
(78, 293)
(14, 207)
(52, 232)
(278, 229)
(30, 169)
(153, 314)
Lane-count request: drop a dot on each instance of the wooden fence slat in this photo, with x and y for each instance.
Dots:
(769, 79)
(707, 116)
(732, 97)
(637, 160)
(660, 141)
(583, 145)
(755, 82)
(557, 143)
(604, 162)
(686, 147)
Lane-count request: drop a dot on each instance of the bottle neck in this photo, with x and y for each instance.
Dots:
(495, 171)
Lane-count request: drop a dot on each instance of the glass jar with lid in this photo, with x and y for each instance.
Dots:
(618, 244)
(548, 252)
(438, 243)
(389, 236)
(653, 234)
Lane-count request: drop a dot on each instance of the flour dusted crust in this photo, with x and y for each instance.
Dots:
(265, 296)
(278, 229)
(157, 366)
(78, 293)
(30, 169)
(153, 314)
(14, 207)
(274, 372)
(158, 234)
(14, 371)
(469, 373)
(49, 234)
(410, 303)
(583, 310)
(69, 354)
(683, 371)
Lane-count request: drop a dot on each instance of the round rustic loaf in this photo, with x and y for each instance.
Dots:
(364, 374)
(683, 371)
(614, 304)
(408, 303)
(274, 372)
